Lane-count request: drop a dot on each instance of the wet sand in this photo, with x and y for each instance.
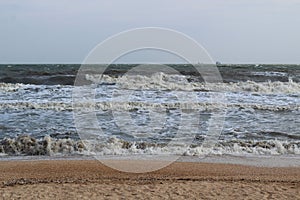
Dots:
(89, 179)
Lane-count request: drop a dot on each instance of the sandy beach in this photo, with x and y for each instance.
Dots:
(89, 179)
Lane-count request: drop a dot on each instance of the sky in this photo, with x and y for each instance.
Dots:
(232, 31)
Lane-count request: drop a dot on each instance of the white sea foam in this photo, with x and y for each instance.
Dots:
(267, 73)
(10, 87)
(131, 105)
(161, 81)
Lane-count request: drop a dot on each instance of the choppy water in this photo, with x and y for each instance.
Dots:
(262, 111)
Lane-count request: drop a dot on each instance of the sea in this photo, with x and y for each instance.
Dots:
(143, 113)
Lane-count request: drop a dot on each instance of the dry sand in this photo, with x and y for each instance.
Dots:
(88, 179)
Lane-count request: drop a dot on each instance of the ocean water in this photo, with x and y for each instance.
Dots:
(142, 114)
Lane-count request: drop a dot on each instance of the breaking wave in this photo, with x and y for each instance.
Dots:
(131, 105)
(161, 81)
(27, 145)
(10, 87)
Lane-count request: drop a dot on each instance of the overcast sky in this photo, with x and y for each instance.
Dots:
(232, 31)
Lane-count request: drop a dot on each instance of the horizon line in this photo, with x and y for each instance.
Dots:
(127, 63)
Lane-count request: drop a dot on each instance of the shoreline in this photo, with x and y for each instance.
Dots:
(90, 178)
(292, 160)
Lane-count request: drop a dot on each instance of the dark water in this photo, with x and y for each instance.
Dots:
(64, 74)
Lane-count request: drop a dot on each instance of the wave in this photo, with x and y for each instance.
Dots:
(64, 74)
(131, 105)
(27, 145)
(161, 81)
(10, 87)
(39, 74)
(41, 80)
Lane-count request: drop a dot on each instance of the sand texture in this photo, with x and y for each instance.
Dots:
(89, 179)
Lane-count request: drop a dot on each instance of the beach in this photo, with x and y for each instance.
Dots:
(49, 139)
(244, 146)
(149, 99)
(89, 179)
